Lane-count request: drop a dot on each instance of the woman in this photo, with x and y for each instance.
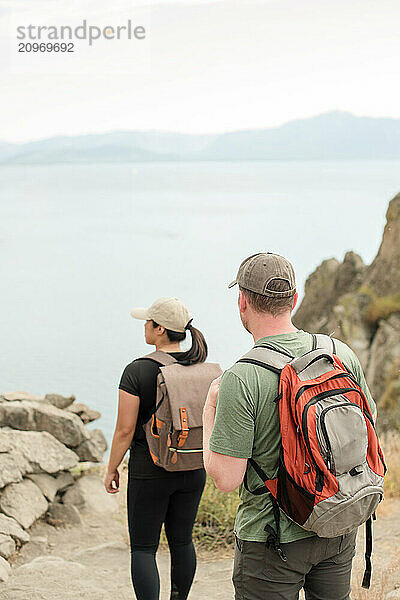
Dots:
(156, 496)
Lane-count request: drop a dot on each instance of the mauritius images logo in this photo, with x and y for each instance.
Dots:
(84, 31)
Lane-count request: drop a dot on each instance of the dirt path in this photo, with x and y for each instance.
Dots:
(91, 561)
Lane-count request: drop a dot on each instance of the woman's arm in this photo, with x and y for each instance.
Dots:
(128, 408)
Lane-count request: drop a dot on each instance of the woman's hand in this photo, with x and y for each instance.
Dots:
(111, 482)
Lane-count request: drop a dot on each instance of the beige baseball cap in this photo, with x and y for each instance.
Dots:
(258, 271)
(170, 313)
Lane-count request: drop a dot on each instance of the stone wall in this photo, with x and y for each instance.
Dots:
(41, 440)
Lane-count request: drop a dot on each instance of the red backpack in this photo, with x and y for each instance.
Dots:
(331, 466)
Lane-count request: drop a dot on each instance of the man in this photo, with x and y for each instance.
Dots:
(241, 421)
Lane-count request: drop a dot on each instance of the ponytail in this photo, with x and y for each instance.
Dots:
(198, 351)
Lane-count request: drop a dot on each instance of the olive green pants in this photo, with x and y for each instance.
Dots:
(321, 566)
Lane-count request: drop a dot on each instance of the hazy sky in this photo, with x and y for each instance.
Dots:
(203, 67)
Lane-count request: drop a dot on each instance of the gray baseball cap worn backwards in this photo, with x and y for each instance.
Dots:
(257, 272)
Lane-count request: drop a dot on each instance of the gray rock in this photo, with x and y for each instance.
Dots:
(34, 416)
(63, 514)
(46, 484)
(84, 412)
(24, 502)
(393, 595)
(9, 446)
(5, 570)
(323, 290)
(351, 326)
(383, 275)
(42, 540)
(74, 496)
(350, 274)
(18, 415)
(37, 452)
(92, 450)
(64, 480)
(10, 471)
(59, 401)
(13, 396)
(385, 350)
(9, 526)
(319, 298)
(89, 493)
(7, 546)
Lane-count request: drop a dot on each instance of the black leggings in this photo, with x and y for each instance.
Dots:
(174, 501)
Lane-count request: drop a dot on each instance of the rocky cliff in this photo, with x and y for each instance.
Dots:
(41, 440)
(360, 305)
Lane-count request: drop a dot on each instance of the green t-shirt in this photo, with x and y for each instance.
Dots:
(247, 425)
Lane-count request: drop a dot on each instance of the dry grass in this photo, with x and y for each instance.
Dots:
(391, 449)
(380, 588)
(213, 529)
(381, 308)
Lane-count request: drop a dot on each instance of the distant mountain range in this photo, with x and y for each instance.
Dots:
(330, 136)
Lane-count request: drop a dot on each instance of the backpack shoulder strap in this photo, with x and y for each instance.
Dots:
(323, 341)
(162, 358)
(268, 357)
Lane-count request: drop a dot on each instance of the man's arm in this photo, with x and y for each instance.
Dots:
(227, 472)
(228, 431)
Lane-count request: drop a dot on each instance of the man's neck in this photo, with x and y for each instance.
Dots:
(266, 327)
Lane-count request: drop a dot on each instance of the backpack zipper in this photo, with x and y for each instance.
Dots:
(370, 419)
(310, 385)
(325, 432)
(185, 451)
(319, 483)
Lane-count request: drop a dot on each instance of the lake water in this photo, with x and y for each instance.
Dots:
(81, 245)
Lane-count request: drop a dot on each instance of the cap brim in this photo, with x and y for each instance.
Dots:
(232, 284)
(140, 313)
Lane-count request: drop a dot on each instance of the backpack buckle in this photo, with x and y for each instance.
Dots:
(281, 553)
(273, 543)
(184, 424)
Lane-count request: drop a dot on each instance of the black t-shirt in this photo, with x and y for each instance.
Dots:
(140, 379)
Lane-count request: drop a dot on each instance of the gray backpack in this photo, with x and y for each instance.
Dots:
(174, 432)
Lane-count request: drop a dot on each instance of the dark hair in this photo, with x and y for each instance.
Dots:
(266, 304)
(198, 351)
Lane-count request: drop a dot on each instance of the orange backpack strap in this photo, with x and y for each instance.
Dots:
(185, 428)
